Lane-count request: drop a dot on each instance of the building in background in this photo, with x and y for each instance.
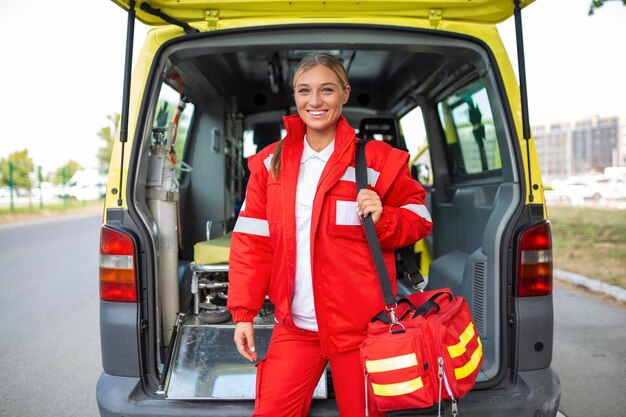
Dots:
(553, 143)
(595, 144)
(581, 148)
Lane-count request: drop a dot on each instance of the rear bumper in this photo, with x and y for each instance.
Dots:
(535, 393)
(124, 396)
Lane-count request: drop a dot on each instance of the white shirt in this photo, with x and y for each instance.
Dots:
(311, 166)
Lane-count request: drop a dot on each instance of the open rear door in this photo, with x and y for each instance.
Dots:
(152, 12)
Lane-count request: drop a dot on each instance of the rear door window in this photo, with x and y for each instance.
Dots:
(467, 121)
(414, 132)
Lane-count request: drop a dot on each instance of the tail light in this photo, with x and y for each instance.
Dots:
(118, 280)
(534, 275)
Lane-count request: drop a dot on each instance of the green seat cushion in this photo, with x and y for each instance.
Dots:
(214, 251)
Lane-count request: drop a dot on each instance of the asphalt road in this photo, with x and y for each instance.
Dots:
(49, 338)
(589, 354)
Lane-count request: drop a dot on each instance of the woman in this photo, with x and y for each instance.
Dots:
(299, 240)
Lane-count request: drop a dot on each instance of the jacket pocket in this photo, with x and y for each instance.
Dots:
(260, 376)
(344, 219)
(399, 368)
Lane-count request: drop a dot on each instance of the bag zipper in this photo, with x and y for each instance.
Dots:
(367, 411)
(442, 377)
(440, 362)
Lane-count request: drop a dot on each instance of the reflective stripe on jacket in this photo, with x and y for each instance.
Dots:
(346, 290)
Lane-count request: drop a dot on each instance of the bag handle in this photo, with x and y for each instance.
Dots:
(423, 310)
(428, 306)
(370, 232)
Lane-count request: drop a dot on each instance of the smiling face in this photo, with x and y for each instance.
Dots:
(320, 96)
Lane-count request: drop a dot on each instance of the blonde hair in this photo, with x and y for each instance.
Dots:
(321, 58)
(309, 61)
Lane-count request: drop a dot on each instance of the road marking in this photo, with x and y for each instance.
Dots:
(559, 414)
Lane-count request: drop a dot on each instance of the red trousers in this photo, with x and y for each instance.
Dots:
(291, 369)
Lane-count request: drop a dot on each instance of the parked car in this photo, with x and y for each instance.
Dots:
(5, 192)
(577, 189)
(47, 191)
(609, 185)
(86, 185)
(612, 184)
(212, 75)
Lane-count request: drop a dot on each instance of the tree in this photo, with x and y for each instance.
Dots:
(22, 170)
(107, 134)
(64, 173)
(596, 4)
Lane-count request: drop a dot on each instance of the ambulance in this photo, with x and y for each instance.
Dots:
(209, 88)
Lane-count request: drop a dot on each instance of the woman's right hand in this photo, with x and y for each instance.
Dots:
(244, 340)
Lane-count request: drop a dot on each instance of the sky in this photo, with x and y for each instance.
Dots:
(62, 74)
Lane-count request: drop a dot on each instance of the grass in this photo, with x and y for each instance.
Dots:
(49, 210)
(590, 242)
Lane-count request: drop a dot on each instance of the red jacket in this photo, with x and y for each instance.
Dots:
(346, 290)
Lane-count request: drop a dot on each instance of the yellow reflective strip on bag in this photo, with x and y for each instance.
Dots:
(471, 365)
(391, 364)
(400, 388)
(459, 349)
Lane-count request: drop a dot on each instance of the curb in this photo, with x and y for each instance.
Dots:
(591, 284)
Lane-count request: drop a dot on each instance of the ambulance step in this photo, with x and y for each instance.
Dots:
(206, 365)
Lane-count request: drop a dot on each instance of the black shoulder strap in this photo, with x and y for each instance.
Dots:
(412, 268)
(372, 238)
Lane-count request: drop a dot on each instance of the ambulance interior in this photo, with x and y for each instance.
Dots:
(438, 98)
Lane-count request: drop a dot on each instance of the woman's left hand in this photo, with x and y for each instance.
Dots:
(368, 202)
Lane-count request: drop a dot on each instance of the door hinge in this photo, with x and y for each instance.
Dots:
(212, 16)
(143, 325)
(434, 16)
(512, 320)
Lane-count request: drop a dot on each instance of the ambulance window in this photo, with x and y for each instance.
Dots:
(469, 130)
(414, 132)
(165, 116)
(262, 135)
(249, 148)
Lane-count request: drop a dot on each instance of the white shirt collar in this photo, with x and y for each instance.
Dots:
(324, 154)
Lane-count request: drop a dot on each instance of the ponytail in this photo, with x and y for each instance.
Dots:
(275, 165)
